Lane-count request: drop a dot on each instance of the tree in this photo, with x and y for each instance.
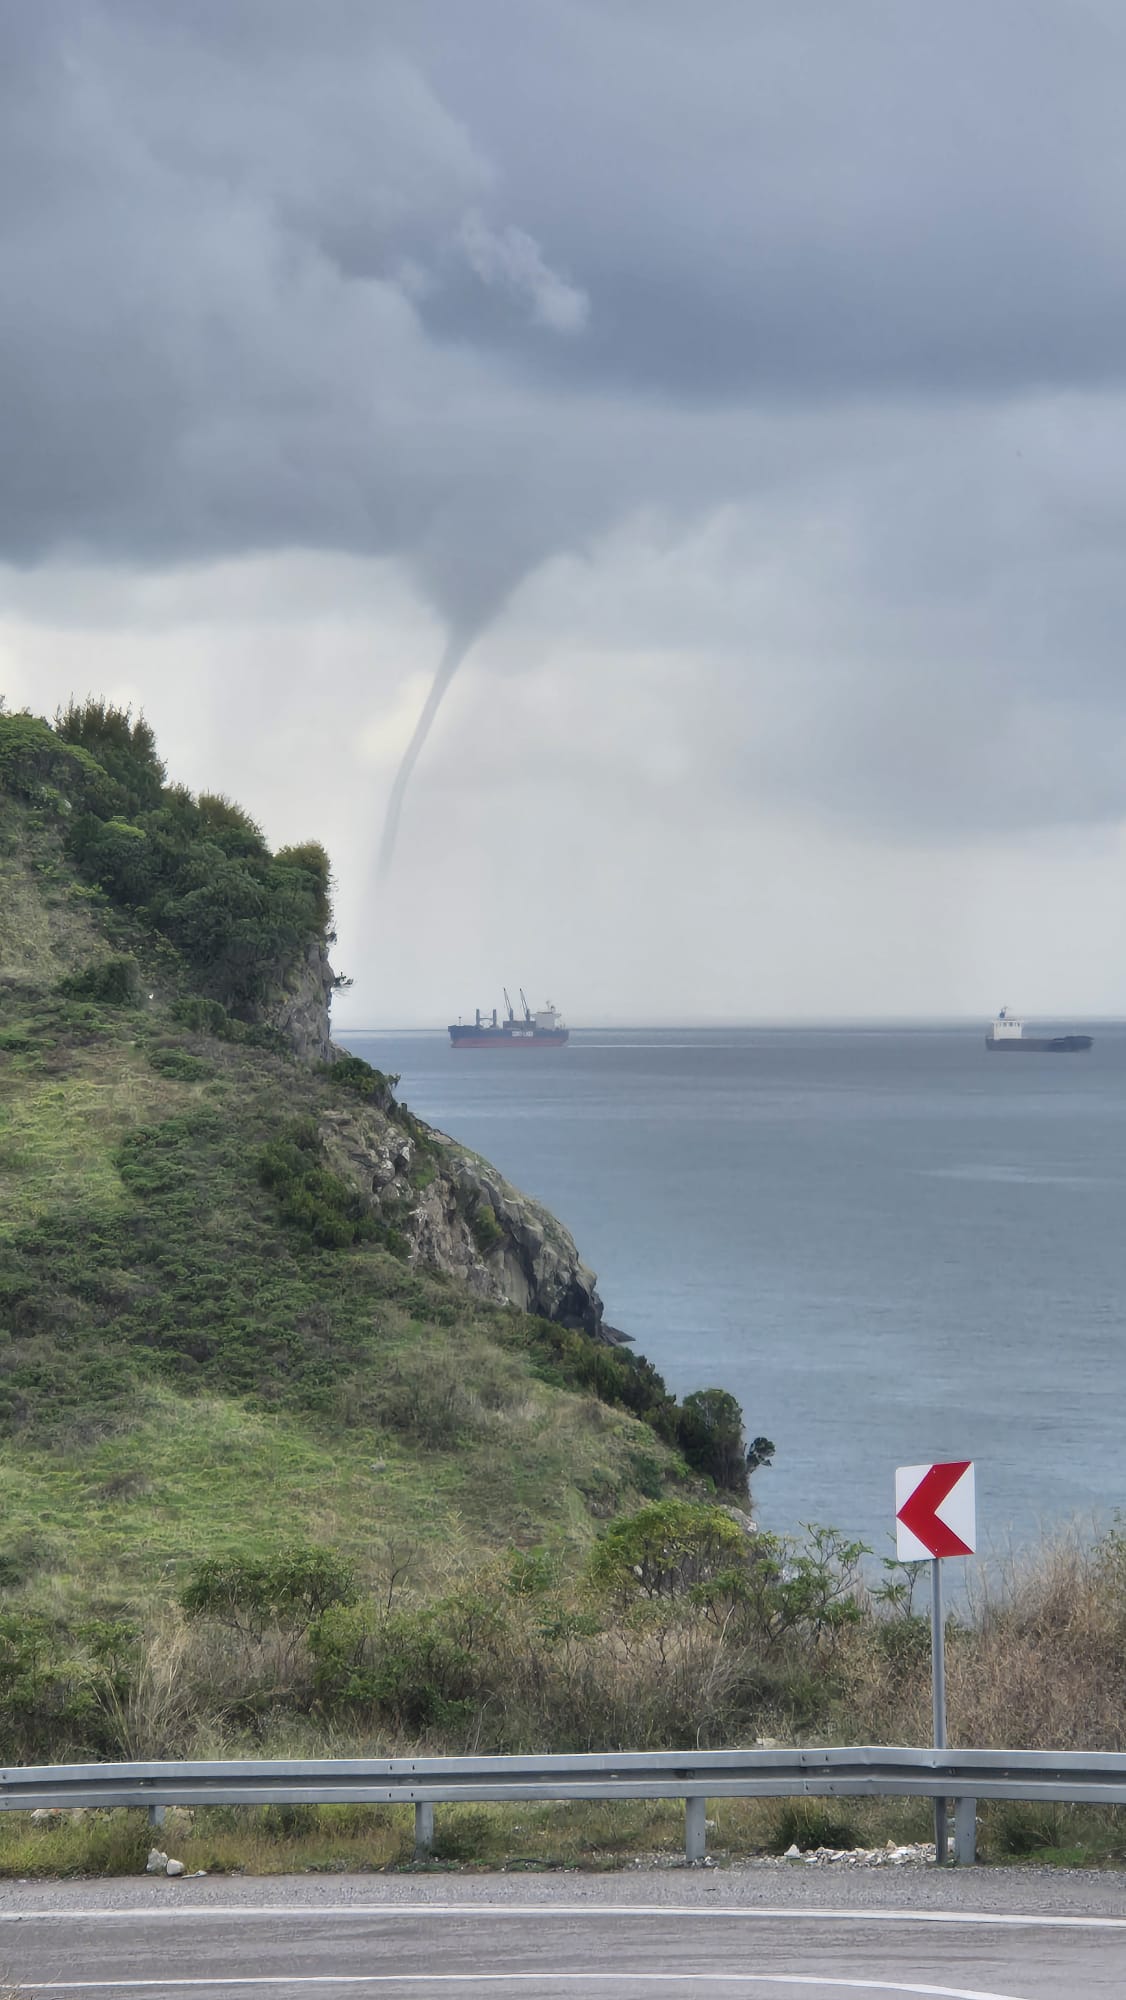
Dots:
(710, 1434)
(666, 1550)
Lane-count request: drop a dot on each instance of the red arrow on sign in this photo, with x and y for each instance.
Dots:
(919, 1511)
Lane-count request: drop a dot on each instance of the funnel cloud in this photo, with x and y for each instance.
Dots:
(457, 646)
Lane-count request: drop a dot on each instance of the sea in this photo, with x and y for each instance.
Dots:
(891, 1245)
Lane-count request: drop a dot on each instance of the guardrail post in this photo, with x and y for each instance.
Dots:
(965, 1833)
(423, 1831)
(156, 1815)
(695, 1829)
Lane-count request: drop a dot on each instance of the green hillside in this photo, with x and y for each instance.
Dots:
(248, 1304)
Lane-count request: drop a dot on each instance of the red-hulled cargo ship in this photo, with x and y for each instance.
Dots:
(542, 1030)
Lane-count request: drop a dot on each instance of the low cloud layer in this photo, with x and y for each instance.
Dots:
(770, 364)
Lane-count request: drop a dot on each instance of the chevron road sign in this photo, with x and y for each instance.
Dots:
(935, 1517)
(934, 1511)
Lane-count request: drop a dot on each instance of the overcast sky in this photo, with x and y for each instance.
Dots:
(737, 390)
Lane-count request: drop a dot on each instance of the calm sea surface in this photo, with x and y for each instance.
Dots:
(889, 1244)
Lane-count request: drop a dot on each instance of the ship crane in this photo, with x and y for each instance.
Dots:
(508, 1003)
(524, 1001)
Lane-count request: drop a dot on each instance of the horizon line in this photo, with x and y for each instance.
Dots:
(621, 1022)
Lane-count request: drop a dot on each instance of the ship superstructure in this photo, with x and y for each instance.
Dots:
(542, 1029)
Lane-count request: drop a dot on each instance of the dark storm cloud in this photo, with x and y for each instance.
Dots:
(468, 285)
(812, 199)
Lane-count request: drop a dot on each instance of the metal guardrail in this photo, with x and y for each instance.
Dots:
(694, 1776)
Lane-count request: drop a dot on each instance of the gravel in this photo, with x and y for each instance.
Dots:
(810, 1881)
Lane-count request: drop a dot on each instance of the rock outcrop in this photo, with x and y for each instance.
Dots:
(461, 1216)
(458, 1214)
(300, 1010)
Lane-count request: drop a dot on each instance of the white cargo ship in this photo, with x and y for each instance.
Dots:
(1008, 1033)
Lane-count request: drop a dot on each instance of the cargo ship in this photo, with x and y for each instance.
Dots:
(1007, 1033)
(542, 1030)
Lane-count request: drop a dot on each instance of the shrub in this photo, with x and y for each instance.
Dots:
(248, 1593)
(413, 1669)
(55, 1691)
(353, 1074)
(198, 871)
(229, 827)
(574, 1359)
(205, 1017)
(709, 1431)
(783, 1590)
(125, 749)
(210, 1017)
(114, 982)
(666, 1549)
(484, 1228)
(431, 1397)
(118, 855)
(310, 865)
(310, 1196)
(36, 766)
(180, 1065)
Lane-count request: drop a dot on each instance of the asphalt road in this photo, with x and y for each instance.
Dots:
(678, 1935)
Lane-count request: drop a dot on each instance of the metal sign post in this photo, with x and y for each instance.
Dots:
(935, 1516)
(938, 1673)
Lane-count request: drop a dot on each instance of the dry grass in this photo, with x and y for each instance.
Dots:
(1038, 1661)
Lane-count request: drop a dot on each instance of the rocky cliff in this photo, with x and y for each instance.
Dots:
(459, 1215)
(299, 1010)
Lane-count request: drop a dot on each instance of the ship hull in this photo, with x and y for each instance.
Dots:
(1039, 1045)
(500, 1038)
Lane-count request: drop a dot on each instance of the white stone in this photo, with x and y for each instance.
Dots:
(793, 1853)
(173, 1867)
(156, 1862)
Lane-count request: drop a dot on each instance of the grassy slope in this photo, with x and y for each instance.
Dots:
(180, 1371)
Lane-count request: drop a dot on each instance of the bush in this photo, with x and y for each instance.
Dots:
(310, 865)
(58, 1689)
(198, 871)
(311, 1197)
(114, 982)
(248, 1593)
(210, 1017)
(484, 1228)
(118, 855)
(574, 1359)
(180, 1065)
(125, 749)
(407, 1669)
(667, 1549)
(229, 827)
(205, 1017)
(709, 1431)
(353, 1074)
(36, 766)
(430, 1396)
